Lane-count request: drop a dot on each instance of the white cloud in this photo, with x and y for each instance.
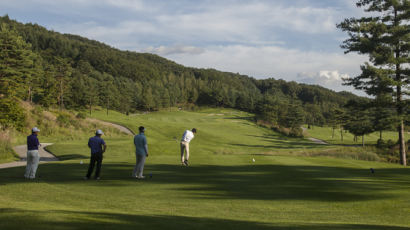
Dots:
(260, 38)
(253, 22)
(327, 78)
(277, 62)
(172, 50)
(135, 5)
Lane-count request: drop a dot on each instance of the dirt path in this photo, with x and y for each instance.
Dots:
(46, 156)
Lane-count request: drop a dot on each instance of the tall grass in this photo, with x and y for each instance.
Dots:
(55, 126)
(6, 151)
(354, 153)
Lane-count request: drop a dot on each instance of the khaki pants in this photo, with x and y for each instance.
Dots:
(32, 163)
(184, 148)
(139, 165)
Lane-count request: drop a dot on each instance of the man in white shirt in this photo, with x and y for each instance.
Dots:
(186, 138)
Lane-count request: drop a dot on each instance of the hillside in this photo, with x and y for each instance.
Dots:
(55, 126)
(223, 188)
(76, 72)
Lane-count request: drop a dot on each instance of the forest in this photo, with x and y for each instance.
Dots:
(71, 72)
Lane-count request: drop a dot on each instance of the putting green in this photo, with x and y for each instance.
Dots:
(221, 189)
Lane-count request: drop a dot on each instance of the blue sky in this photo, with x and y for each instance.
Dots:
(292, 40)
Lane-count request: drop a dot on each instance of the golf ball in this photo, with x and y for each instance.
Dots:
(253, 159)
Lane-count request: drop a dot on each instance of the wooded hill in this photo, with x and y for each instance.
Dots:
(69, 71)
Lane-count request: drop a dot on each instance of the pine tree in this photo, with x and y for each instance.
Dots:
(384, 115)
(63, 73)
(359, 120)
(17, 63)
(385, 37)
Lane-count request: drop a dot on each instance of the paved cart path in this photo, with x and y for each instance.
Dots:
(46, 156)
(21, 151)
(317, 141)
(119, 127)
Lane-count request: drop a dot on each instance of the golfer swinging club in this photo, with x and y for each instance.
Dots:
(186, 138)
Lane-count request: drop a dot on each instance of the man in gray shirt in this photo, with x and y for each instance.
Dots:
(141, 152)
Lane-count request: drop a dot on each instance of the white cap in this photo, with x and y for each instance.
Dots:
(35, 130)
(99, 132)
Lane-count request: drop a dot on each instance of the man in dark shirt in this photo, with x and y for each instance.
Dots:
(98, 147)
(32, 154)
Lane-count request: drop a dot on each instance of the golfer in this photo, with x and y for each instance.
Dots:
(186, 138)
(32, 154)
(141, 152)
(98, 147)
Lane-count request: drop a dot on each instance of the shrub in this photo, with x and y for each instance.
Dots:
(64, 120)
(11, 114)
(282, 130)
(296, 132)
(390, 143)
(37, 110)
(81, 115)
(6, 151)
(381, 144)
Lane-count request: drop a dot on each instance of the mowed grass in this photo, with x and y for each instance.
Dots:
(325, 134)
(221, 189)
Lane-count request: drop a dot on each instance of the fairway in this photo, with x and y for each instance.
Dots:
(221, 189)
(325, 134)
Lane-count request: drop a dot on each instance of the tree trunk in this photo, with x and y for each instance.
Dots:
(108, 104)
(399, 103)
(381, 135)
(29, 98)
(90, 105)
(403, 159)
(362, 140)
(333, 132)
(61, 94)
(341, 133)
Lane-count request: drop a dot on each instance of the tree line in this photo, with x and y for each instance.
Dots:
(69, 71)
(72, 72)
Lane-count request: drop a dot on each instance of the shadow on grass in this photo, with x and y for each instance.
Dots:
(245, 118)
(72, 156)
(280, 142)
(251, 182)
(58, 219)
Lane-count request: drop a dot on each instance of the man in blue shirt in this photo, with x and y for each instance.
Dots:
(141, 152)
(98, 147)
(32, 154)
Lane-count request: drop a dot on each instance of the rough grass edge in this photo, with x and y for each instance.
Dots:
(354, 153)
(7, 153)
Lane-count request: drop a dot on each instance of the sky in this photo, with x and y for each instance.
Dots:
(293, 40)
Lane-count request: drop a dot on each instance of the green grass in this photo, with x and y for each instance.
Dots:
(220, 131)
(222, 188)
(51, 130)
(325, 134)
